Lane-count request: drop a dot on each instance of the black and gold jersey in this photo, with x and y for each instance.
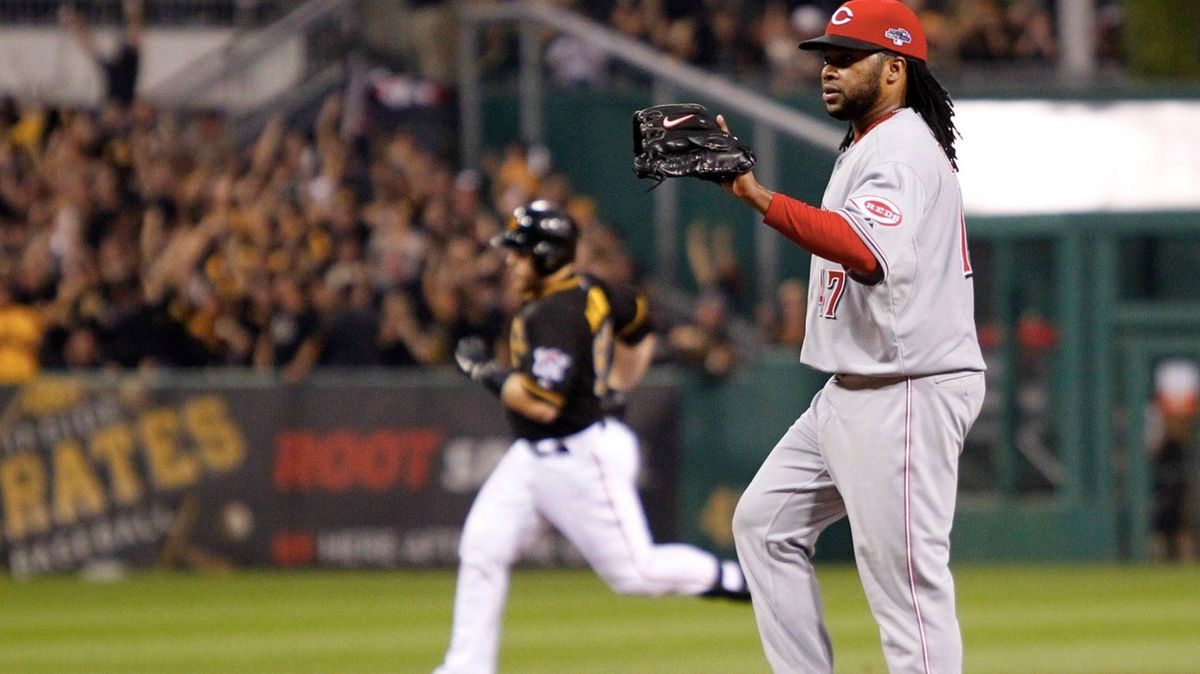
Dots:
(561, 343)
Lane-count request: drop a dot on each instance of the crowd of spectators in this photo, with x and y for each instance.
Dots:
(158, 12)
(131, 237)
(730, 34)
(758, 39)
(134, 237)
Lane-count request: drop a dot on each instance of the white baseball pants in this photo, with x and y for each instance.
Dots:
(587, 492)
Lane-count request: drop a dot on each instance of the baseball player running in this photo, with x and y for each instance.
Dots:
(891, 317)
(573, 342)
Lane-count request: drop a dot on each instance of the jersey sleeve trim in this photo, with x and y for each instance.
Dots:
(639, 319)
(540, 393)
(598, 308)
(863, 232)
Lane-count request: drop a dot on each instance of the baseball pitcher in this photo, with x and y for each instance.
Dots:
(891, 318)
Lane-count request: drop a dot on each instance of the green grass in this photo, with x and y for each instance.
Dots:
(1028, 620)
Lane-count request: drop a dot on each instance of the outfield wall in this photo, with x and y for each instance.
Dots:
(378, 469)
(209, 471)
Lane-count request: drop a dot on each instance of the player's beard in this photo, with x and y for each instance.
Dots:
(859, 101)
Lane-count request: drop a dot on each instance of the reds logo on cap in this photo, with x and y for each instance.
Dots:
(873, 25)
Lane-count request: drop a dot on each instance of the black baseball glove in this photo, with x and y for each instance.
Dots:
(682, 139)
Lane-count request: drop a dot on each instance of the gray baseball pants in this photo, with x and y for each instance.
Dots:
(886, 456)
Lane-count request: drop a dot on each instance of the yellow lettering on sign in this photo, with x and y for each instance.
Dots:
(115, 447)
(50, 394)
(24, 482)
(221, 443)
(77, 491)
(169, 468)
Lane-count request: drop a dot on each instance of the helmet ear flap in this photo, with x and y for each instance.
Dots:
(549, 257)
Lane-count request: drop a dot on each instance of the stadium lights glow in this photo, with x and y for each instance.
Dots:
(1039, 157)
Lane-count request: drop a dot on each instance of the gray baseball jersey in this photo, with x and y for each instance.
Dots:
(897, 190)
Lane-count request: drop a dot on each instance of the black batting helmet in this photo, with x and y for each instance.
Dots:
(544, 232)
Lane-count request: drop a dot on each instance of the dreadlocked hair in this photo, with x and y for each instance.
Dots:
(931, 100)
(928, 98)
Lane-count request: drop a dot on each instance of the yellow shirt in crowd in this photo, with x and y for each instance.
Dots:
(20, 334)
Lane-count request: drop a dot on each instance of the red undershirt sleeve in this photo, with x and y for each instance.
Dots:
(823, 233)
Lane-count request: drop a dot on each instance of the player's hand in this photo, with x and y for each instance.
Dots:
(471, 355)
(745, 186)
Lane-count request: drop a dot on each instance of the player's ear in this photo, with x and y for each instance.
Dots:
(895, 69)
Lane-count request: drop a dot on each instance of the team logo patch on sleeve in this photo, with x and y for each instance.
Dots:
(879, 210)
(550, 365)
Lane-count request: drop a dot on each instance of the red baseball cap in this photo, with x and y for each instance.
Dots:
(873, 25)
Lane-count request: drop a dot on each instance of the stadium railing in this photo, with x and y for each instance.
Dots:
(314, 20)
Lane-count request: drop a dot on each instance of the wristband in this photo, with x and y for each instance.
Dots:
(492, 376)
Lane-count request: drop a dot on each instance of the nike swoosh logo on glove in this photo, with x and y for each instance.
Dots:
(669, 123)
